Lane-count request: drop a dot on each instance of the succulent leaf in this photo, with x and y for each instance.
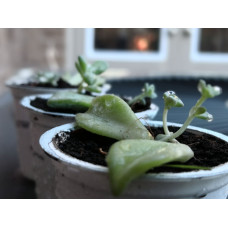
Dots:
(129, 159)
(110, 116)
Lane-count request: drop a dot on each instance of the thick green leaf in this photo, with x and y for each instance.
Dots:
(73, 80)
(70, 100)
(110, 116)
(93, 89)
(89, 77)
(99, 67)
(129, 159)
(78, 67)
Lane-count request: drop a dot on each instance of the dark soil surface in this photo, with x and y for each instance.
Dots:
(139, 107)
(42, 104)
(209, 151)
(61, 85)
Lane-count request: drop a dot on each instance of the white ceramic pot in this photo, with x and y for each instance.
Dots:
(22, 118)
(39, 162)
(148, 114)
(78, 179)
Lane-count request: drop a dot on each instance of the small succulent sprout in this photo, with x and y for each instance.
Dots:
(70, 100)
(148, 91)
(197, 111)
(172, 100)
(129, 159)
(110, 116)
(207, 90)
(89, 73)
(48, 78)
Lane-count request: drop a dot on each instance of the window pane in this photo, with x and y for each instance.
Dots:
(123, 39)
(214, 40)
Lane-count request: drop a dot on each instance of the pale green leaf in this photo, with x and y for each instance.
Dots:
(110, 116)
(129, 159)
(73, 80)
(99, 67)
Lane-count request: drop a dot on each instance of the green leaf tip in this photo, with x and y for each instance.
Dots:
(207, 90)
(112, 117)
(129, 159)
(172, 100)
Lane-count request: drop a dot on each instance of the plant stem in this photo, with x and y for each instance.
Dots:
(80, 88)
(187, 122)
(164, 118)
(135, 99)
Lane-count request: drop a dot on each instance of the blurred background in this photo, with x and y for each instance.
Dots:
(170, 58)
(131, 52)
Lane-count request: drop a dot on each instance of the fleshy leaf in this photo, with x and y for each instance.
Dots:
(99, 67)
(172, 100)
(48, 77)
(197, 112)
(73, 80)
(93, 89)
(208, 90)
(129, 159)
(82, 63)
(205, 116)
(110, 116)
(89, 77)
(70, 100)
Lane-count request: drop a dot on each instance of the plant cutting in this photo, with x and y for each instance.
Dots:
(133, 151)
(26, 83)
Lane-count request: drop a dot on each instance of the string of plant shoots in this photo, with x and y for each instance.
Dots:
(148, 91)
(197, 111)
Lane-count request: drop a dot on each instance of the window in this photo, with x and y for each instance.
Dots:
(210, 45)
(152, 51)
(131, 44)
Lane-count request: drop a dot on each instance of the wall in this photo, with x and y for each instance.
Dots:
(25, 48)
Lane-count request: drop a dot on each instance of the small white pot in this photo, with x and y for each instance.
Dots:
(78, 179)
(22, 118)
(148, 114)
(39, 163)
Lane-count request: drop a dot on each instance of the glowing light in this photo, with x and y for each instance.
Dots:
(141, 43)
